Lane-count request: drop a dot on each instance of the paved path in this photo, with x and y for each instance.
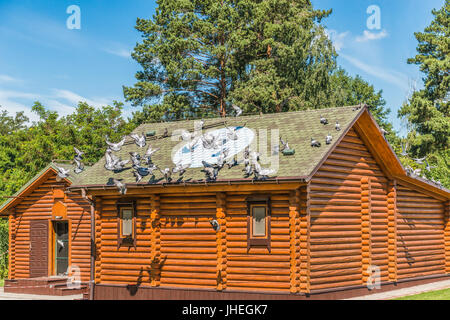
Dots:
(21, 296)
(406, 291)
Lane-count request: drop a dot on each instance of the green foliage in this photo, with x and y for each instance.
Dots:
(199, 56)
(3, 248)
(427, 110)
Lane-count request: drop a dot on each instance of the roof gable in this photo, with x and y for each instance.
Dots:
(31, 185)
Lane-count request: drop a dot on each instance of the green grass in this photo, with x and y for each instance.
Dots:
(432, 295)
(2, 282)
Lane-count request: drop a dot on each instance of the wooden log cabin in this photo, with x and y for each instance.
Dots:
(330, 221)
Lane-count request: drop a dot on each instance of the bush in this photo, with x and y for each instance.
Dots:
(3, 248)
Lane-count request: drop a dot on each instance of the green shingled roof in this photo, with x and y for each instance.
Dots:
(295, 127)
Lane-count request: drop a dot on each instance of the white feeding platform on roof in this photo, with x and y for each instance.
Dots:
(199, 153)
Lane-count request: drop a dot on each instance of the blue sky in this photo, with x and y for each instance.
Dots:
(41, 59)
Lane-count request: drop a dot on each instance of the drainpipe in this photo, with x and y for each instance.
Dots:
(92, 273)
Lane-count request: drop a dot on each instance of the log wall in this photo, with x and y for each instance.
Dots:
(348, 204)
(420, 234)
(38, 205)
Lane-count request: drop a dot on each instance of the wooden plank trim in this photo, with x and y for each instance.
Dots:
(155, 219)
(447, 235)
(366, 210)
(294, 240)
(98, 242)
(304, 254)
(392, 230)
(221, 242)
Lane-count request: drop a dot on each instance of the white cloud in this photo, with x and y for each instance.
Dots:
(4, 78)
(337, 38)
(396, 78)
(74, 98)
(124, 53)
(62, 101)
(368, 36)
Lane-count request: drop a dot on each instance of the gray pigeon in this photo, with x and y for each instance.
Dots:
(338, 126)
(404, 149)
(149, 153)
(285, 144)
(420, 160)
(167, 173)
(237, 110)
(180, 168)
(215, 225)
(261, 173)
(135, 158)
(139, 139)
(428, 167)
(121, 186)
(323, 120)
(79, 153)
(62, 173)
(115, 146)
(315, 143)
(79, 166)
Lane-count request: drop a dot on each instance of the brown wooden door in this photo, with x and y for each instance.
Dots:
(38, 248)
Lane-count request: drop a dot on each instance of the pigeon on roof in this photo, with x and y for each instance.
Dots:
(115, 146)
(62, 173)
(315, 143)
(337, 126)
(329, 138)
(79, 166)
(120, 186)
(323, 120)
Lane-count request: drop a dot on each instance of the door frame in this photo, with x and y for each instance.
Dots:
(52, 238)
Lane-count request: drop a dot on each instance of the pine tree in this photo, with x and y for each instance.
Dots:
(200, 56)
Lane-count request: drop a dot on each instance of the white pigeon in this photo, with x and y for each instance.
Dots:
(237, 109)
(139, 139)
(79, 153)
(122, 188)
(329, 138)
(80, 167)
(149, 153)
(62, 173)
(115, 146)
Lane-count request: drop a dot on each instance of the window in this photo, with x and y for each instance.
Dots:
(126, 234)
(258, 221)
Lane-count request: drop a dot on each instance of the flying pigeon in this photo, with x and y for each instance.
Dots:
(79, 153)
(135, 158)
(338, 126)
(211, 170)
(80, 167)
(113, 163)
(62, 173)
(149, 153)
(323, 120)
(215, 225)
(261, 173)
(420, 160)
(428, 167)
(315, 143)
(180, 168)
(118, 183)
(237, 109)
(231, 133)
(209, 141)
(115, 146)
(404, 148)
(139, 139)
(328, 139)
